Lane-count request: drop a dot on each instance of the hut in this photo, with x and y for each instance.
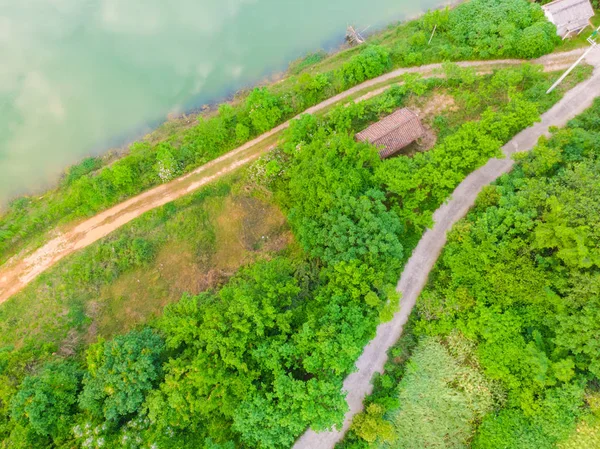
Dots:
(394, 132)
(569, 16)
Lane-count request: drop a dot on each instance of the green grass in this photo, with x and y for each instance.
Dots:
(306, 62)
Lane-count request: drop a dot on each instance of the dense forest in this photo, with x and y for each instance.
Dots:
(496, 351)
(503, 349)
(505, 28)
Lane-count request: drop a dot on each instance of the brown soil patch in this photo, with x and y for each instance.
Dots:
(435, 105)
(228, 230)
(246, 229)
(246, 226)
(263, 225)
(427, 108)
(137, 296)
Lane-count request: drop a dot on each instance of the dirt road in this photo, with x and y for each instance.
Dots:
(19, 271)
(415, 274)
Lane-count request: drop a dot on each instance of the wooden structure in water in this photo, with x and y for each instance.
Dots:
(353, 37)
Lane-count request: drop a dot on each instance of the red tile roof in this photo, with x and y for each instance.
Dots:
(393, 132)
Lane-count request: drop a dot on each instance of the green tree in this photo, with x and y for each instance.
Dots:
(265, 109)
(493, 27)
(46, 402)
(371, 426)
(372, 61)
(579, 332)
(120, 372)
(355, 228)
(537, 40)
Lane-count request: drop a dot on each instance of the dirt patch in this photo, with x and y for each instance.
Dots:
(436, 104)
(229, 239)
(246, 229)
(137, 296)
(428, 108)
(262, 225)
(247, 226)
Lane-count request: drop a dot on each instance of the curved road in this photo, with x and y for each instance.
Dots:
(415, 274)
(19, 271)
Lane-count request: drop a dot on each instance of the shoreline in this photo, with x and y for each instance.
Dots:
(17, 272)
(110, 153)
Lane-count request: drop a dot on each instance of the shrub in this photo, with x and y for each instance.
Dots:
(369, 63)
(537, 40)
(45, 402)
(119, 374)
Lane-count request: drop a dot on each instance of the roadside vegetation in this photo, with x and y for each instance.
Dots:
(504, 28)
(256, 357)
(502, 350)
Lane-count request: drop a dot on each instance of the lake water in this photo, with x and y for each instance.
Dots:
(80, 76)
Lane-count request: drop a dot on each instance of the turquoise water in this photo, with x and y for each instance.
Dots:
(80, 76)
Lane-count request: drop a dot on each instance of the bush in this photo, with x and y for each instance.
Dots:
(493, 28)
(45, 402)
(537, 40)
(373, 61)
(119, 374)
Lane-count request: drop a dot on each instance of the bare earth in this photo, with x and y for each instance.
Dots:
(24, 268)
(415, 274)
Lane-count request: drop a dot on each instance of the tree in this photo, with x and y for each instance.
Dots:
(234, 344)
(579, 332)
(275, 418)
(494, 27)
(537, 40)
(369, 63)
(326, 167)
(371, 426)
(355, 228)
(122, 177)
(120, 373)
(265, 109)
(242, 132)
(46, 402)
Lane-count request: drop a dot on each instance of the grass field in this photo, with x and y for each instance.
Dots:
(195, 244)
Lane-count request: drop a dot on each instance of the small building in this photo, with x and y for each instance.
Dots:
(569, 16)
(394, 132)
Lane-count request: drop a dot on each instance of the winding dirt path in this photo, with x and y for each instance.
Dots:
(20, 270)
(358, 384)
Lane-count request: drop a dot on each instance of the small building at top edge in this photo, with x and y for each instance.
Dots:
(571, 17)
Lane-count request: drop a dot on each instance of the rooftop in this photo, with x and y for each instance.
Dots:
(571, 15)
(393, 132)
